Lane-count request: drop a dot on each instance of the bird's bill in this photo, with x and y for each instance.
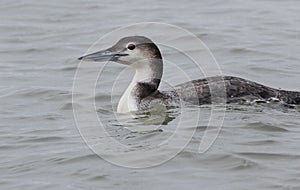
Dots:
(103, 55)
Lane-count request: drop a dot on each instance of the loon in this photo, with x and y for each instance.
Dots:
(143, 55)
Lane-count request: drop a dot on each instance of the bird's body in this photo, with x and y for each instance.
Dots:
(144, 56)
(237, 90)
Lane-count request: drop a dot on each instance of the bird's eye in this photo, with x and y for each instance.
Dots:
(131, 46)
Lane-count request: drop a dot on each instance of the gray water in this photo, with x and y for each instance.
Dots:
(41, 148)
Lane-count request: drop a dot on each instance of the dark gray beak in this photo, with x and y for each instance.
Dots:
(104, 55)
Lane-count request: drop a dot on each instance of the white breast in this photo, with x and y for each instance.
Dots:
(127, 102)
(145, 71)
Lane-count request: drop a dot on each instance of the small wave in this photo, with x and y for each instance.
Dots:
(266, 127)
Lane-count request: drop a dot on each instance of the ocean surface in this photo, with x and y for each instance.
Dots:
(258, 146)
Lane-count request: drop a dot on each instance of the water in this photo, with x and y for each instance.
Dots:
(40, 146)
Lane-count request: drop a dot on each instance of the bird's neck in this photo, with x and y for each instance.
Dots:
(145, 82)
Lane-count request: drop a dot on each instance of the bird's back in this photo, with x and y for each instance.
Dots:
(233, 89)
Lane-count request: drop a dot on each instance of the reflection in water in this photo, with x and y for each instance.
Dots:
(157, 115)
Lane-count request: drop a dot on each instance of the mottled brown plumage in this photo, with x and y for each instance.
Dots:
(237, 90)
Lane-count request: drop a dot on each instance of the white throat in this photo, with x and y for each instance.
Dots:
(143, 74)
